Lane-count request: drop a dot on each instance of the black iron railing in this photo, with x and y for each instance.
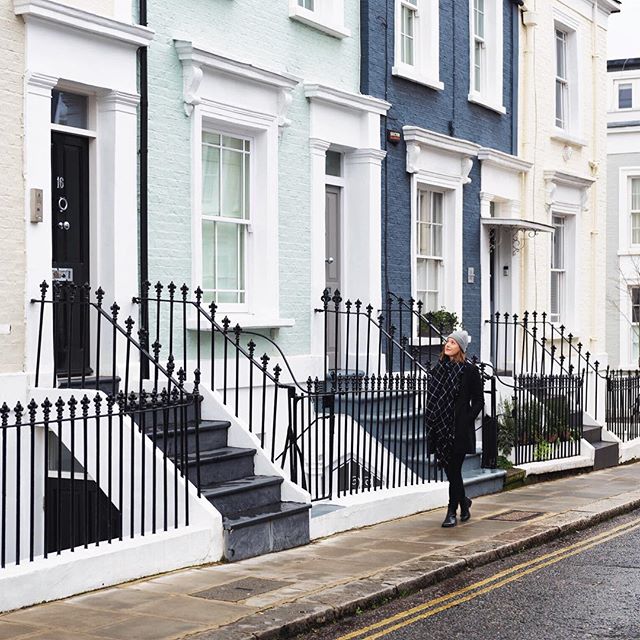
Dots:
(354, 427)
(77, 472)
(532, 345)
(547, 417)
(623, 404)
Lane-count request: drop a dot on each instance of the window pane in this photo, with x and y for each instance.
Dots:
(433, 269)
(424, 240)
(232, 143)
(635, 304)
(561, 54)
(307, 4)
(437, 207)
(229, 251)
(421, 275)
(478, 66)
(247, 183)
(561, 103)
(625, 96)
(232, 184)
(635, 228)
(635, 344)
(208, 254)
(556, 295)
(635, 194)
(69, 109)
(407, 36)
(479, 18)
(557, 257)
(210, 181)
(210, 138)
(333, 164)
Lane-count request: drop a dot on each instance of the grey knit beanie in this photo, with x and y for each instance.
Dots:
(462, 338)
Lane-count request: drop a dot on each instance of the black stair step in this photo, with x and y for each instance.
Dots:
(212, 434)
(606, 455)
(592, 434)
(105, 384)
(264, 513)
(222, 465)
(222, 454)
(242, 494)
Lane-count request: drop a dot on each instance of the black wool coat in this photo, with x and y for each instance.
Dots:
(468, 405)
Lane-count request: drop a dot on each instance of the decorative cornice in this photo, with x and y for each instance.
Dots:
(367, 155)
(119, 99)
(48, 11)
(426, 138)
(41, 80)
(319, 145)
(503, 160)
(346, 99)
(568, 179)
(196, 61)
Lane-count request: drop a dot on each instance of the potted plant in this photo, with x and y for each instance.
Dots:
(444, 321)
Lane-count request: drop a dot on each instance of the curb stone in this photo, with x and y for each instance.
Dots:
(337, 602)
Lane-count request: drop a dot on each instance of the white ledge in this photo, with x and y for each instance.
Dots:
(189, 52)
(428, 138)
(414, 76)
(311, 19)
(566, 138)
(503, 160)
(49, 11)
(346, 99)
(245, 320)
(476, 98)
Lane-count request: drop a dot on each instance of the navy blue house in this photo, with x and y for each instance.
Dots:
(449, 68)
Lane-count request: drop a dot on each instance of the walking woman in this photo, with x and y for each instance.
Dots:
(455, 400)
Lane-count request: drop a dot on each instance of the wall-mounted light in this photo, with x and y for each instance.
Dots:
(394, 136)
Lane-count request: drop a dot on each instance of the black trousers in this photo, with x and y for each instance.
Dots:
(454, 476)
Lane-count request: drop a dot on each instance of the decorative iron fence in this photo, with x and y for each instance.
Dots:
(532, 345)
(623, 404)
(80, 472)
(356, 427)
(546, 417)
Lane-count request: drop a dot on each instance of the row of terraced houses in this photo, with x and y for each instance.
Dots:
(235, 235)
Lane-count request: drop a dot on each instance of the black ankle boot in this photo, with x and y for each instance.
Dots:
(465, 514)
(450, 519)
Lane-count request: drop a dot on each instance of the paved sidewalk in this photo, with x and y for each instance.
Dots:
(287, 592)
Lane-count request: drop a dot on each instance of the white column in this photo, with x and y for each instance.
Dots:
(317, 250)
(116, 245)
(37, 169)
(485, 280)
(362, 226)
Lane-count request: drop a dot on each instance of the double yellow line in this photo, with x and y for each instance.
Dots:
(500, 579)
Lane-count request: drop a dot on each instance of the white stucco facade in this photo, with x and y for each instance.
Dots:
(566, 144)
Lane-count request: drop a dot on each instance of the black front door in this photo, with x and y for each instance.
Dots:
(70, 236)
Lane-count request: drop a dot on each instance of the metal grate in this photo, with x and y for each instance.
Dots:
(514, 515)
(241, 589)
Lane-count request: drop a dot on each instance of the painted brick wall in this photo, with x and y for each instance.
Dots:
(262, 33)
(448, 112)
(12, 276)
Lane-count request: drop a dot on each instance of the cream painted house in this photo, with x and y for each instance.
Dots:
(12, 231)
(562, 133)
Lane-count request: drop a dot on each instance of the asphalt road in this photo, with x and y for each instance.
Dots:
(581, 587)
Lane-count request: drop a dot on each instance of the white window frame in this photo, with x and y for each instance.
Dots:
(631, 211)
(634, 327)
(558, 316)
(425, 69)
(491, 42)
(438, 259)
(567, 131)
(626, 83)
(325, 15)
(244, 222)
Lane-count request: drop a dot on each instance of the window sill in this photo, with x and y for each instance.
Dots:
(485, 102)
(408, 73)
(630, 251)
(245, 320)
(569, 139)
(311, 19)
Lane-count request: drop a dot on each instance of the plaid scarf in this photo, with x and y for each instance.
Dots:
(439, 414)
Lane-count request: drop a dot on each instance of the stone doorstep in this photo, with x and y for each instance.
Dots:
(336, 602)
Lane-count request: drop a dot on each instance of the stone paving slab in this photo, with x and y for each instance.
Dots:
(288, 592)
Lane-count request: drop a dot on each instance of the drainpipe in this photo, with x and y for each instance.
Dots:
(594, 163)
(515, 75)
(143, 135)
